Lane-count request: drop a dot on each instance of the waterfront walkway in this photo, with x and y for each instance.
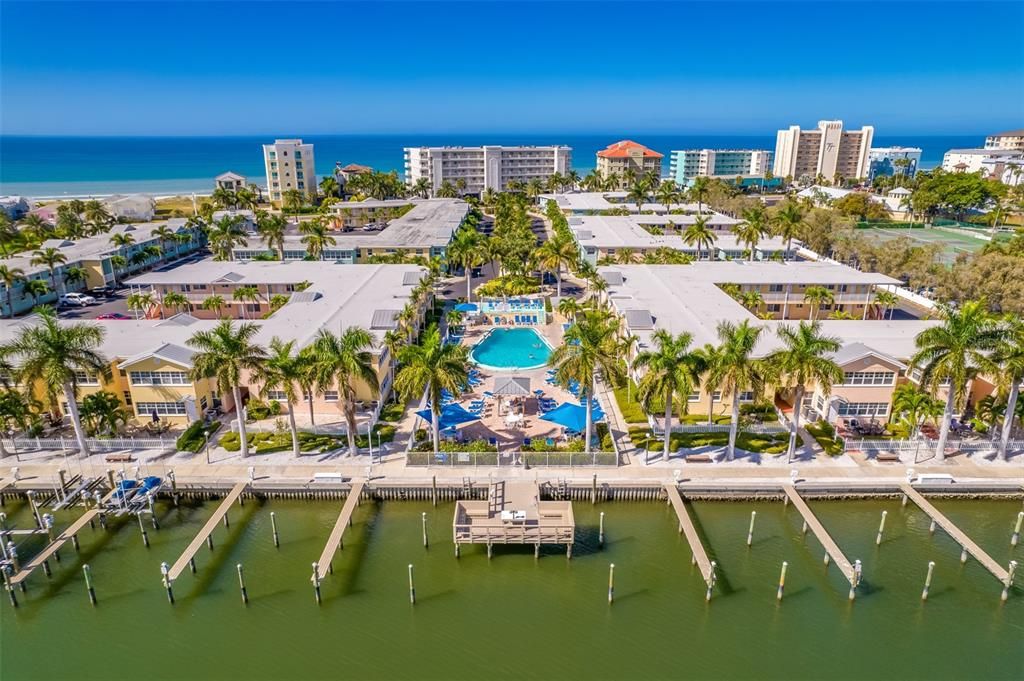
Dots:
(958, 535)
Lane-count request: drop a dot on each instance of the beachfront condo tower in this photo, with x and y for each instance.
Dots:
(828, 150)
(728, 164)
(488, 167)
(290, 165)
(627, 157)
(1011, 140)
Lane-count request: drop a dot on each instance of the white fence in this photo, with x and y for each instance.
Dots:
(925, 445)
(758, 428)
(27, 444)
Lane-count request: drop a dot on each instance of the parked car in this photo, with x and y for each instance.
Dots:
(113, 315)
(76, 300)
(102, 291)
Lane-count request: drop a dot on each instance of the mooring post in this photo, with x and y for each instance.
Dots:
(928, 580)
(209, 540)
(456, 549)
(46, 568)
(803, 529)
(826, 559)
(241, 585)
(12, 554)
(433, 489)
(142, 526)
(273, 527)
(1016, 529)
(174, 486)
(568, 550)
(963, 555)
(7, 584)
(74, 541)
(165, 571)
(316, 582)
(1009, 580)
(711, 581)
(881, 528)
(110, 478)
(152, 514)
(593, 491)
(856, 579)
(536, 550)
(782, 581)
(600, 531)
(227, 523)
(87, 571)
(423, 518)
(931, 527)
(62, 476)
(192, 564)
(750, 532)
(412, 587)
(488, 549)
(611, 583)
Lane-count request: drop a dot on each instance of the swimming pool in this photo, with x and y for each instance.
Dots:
(504, 349)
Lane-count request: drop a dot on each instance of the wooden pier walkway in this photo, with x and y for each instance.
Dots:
(687, 527)
(831, 548)
(344, 520)
(53, 547)
(211, 524)
(956, 533)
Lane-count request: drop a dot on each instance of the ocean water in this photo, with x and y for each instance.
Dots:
(83, 166)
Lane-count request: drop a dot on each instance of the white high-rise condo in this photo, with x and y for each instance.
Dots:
(488, 167)
(290, 165)
(827, 150)
(1011, 140)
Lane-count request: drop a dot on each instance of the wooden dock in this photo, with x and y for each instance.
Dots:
(53, 547)
(340, 525)
(211, 524)
(514, 514)
(956, 533)
(688, 529)
(831, 548)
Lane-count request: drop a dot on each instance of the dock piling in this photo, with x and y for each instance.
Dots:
(165, 572)
(600, 531)
(412, 586)
(1016, 529)
(931, 527)
(1009, 580)
(611, 583)
(928, 580)
(142, 526)
(9, 586)
(241, 585)
(46, 568)
(856, 579)
(316, 581)
(750, 532)
(273, 527)
(152, 514)
(711, 581)
(782, 581)
(433, 490)
(593, 490)
(881, 529)
(424, 522)
(87, 571)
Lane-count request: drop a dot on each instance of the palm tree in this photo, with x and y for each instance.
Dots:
(627, 256)
(556, 253)
(117, 262)
(672, 373)
(789, 221)
(393, 341)
(638, 194)
(293, 200)
(140, 302)
(34, 228)
(223, 353)
(709, 357)
(453, 319)
(752, 300)
(283, 370)
(667, 194)
(421, 188)
(36, 288)
(329, 186)
(700, 235)
(272, 227)
(887, 299)
(225, 235)
(342, 360)
(589, 346)
(753, 227)
(225, 198)
(245, 294)
(175, 300)
(447, 190)
(122, 240)
(164, 236)
(51, 258)
(816, 296)
(736, 371)
(9, 276)
(915, 406)
(956, 351)
(51, 354)
(568, 308)
(104, 412)
(214, 302)
(316, 238)
(431, 367)
(74, 275)
(1009, 357)
(699, 191)
(466, 252)
(804, 357)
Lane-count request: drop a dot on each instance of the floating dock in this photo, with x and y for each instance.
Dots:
(960, 537)
(832, 549)
(514, 514)
(211, 524)
(689, 530)
(334, 541)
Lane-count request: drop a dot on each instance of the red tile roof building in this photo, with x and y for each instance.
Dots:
(627, 155)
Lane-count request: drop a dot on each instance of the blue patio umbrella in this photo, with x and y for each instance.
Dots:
(467, 307)
(451, 416)
(572, 416)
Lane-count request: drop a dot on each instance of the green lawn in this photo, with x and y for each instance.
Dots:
(825, 435)
(774, 443)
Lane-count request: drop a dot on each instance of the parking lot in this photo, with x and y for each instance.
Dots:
(116, 303)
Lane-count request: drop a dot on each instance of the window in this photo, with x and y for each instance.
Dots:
(869, 378)
(775, 288)
(203, 403)
(161, 408)
(127, 398)
(272, 154)
(747, 396)
(86, 378)
(160, 378)
(693, 396)
(863, 409)
(716, 396)
(819, 403)
(276, 395)
(330, 396)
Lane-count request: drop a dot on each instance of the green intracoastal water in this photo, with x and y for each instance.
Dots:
(514, 617)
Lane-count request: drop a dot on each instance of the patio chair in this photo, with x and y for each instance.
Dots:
(550, 442)
(492, 441)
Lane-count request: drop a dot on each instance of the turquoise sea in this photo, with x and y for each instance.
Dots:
(83, 166)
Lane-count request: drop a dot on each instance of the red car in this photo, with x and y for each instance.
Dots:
(113, 315)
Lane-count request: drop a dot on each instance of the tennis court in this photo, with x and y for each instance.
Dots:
(954, 242)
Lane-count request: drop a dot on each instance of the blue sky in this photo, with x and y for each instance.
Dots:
(196, 68)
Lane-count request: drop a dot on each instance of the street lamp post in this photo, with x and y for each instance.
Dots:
(206, 434)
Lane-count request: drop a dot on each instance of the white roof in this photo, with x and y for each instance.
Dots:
(626, 231)
(598, 201)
